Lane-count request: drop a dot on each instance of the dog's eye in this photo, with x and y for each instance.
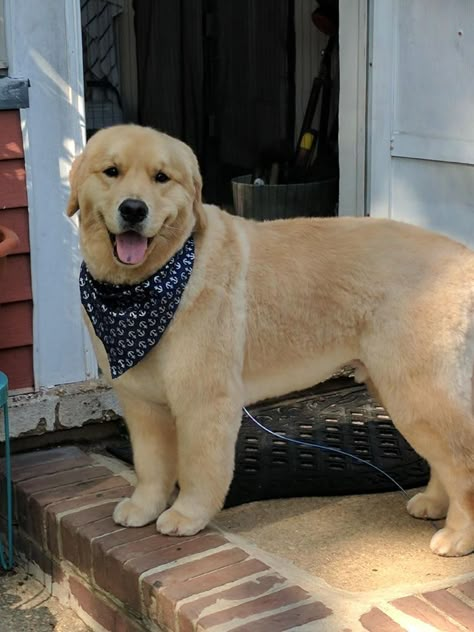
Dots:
(161, 177)
(111, 172)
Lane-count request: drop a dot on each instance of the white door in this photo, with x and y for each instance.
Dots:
(421, 114)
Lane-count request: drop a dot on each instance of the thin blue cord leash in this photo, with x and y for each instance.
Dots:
(326, 448)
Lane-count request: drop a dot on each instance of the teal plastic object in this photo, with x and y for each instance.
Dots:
(7, 561)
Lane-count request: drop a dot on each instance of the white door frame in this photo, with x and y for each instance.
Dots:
(380, 104)
(352, 107)
(44, 45)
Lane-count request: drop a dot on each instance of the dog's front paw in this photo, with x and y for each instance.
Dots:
(451, 543)
(424, 506)
(173, 522)
(130, 514)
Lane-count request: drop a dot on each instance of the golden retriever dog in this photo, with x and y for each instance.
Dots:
(269, 308)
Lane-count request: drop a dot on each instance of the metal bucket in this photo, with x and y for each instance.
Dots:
(277, 201)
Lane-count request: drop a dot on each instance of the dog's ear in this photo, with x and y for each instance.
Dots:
(73, 202)
(199, 213)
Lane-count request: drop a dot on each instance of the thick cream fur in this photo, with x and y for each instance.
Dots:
(273, 307)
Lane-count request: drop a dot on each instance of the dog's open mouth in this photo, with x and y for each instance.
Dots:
(130, 247)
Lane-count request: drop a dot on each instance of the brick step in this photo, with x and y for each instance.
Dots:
(127, 580)
(136, 579)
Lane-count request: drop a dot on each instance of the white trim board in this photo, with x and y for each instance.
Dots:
(44, 43)
(381, 73)
(352, 107)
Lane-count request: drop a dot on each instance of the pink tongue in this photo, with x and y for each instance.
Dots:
(131, 247)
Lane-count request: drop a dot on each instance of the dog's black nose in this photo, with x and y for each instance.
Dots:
(133, 211)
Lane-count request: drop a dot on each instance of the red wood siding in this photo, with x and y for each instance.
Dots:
(11, 142)
(16, 306)
(12, 183)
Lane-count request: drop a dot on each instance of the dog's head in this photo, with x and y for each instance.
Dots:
(139, 195)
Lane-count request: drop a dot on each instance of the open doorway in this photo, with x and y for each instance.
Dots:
(251, 85)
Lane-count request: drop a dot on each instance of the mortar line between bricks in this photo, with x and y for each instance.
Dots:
(60, 535)
(72, 571)
(103, 535)
(19, 470)
(143, 555)
(65, 513)
(411, 622)
(98, 503)
(184, 560)
(462, 597)
(125, 544)
(237, 622)
(85, 616)
(116, 467)
(55, 475)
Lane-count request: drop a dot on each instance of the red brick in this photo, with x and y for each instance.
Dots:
(261, 605)
(287, 620)
(103, 544)
(34, 553)
(452, 606)
(52, 512)
(467, 589)
(50, 467)
(203, 566)
(171, 588)
(82, 558)
(120, 489)
(110, 564)
(38, 457)
(102, 612)
(189, 613)
(124, 564)
(70, 530)
(109, 568)
(62, 479)
(423, 612)
(32, 508)
(377, 621)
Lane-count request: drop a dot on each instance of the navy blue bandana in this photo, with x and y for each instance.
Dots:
(131, 319)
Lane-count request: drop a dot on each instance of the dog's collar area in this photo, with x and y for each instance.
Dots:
(131, 319)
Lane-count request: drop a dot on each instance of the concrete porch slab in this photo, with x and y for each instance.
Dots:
(295, 565)
(354, 543)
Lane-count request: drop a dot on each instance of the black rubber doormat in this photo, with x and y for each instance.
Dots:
(349, 419)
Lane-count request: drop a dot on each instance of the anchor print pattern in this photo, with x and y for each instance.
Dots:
(131, 319)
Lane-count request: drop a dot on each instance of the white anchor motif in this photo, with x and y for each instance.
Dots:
(131, 320)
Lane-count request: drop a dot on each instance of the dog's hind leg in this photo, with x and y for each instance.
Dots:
(441, 431)
(431, 504)
(153, 436)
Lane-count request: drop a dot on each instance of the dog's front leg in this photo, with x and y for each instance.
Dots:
(206, 436)
(153, 435)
